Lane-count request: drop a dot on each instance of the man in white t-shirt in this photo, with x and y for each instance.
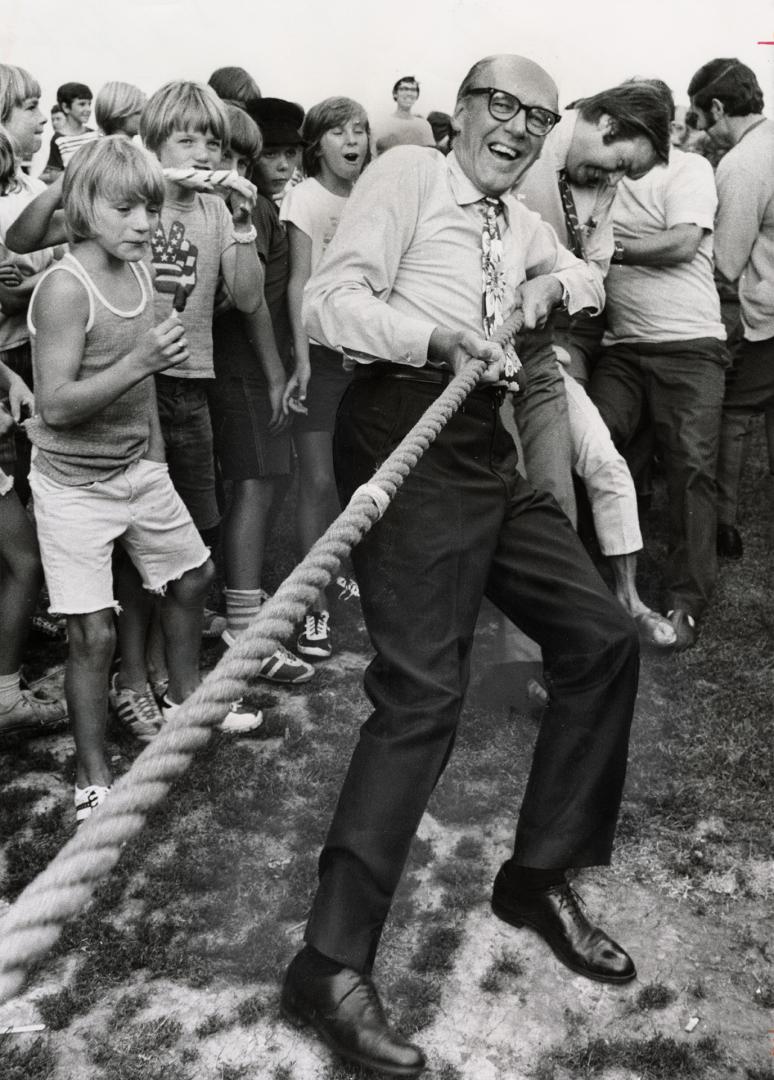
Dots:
(664, 351)
(728, 106)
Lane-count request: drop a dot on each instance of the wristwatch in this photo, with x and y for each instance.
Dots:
(618, 252)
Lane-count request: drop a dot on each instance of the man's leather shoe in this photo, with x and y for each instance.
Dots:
(555, 914)
(728, 542)
(345, 1011)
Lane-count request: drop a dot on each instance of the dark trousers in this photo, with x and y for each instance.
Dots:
(465, 525)
(681, 382)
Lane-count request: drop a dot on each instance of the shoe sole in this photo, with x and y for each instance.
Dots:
(316, 652)
(505, 915)
(293, 1017)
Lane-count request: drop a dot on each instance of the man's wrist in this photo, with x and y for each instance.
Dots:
(618, 252)
(441, 345)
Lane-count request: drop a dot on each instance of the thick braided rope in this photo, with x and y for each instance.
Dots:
(34, 922)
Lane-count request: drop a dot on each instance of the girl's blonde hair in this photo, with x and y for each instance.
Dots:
(16, 84)
(182, 106)
(115, 102)
(322, 117)
(114, 169)
(8, 180)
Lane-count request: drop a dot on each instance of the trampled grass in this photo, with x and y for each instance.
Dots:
(207, 905)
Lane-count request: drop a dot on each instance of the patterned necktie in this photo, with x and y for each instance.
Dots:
(492, 280)
(573, 226)
(491, 271)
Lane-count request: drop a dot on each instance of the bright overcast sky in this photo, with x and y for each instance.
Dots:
(308, 49)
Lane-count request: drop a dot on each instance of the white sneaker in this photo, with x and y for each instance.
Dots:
(239, 719)
(88, 799)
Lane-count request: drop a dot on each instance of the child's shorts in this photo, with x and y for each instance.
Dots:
(241, 413)
(78, 526)
(326, 388)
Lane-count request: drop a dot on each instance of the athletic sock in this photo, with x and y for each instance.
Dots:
(242, 605)
(10, 690)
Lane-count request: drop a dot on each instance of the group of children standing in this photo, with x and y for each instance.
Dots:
(160, 288)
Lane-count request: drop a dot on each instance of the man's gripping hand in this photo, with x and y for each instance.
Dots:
(459, 347)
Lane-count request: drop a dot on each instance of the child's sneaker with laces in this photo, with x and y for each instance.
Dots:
(239, 720)
(349, 588)
(34, 713)
(315, 638)
(137, 712)
(88, 799)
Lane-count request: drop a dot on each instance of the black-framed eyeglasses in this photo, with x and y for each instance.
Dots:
(504, 106)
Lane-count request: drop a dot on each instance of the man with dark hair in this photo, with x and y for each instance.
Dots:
(664, 351)
(572, 186)
(74, 99)
(728, 104)
(464, 524)
(402, 127)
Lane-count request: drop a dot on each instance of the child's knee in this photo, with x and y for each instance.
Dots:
(92, 635)
(194, 584)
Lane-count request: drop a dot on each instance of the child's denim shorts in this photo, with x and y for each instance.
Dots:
(78, 526)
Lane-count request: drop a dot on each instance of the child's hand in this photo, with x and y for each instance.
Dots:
(6, 420)
(280, 417)
(162, 347)
(295, 392)
(21, 400)
(243, 199)
(10, 275)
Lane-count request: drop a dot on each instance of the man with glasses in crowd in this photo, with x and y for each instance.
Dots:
(402, 127)
(430, 253)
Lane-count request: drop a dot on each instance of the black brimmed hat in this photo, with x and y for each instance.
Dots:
(280, 121)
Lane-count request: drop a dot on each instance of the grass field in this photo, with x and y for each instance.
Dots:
(173, 970)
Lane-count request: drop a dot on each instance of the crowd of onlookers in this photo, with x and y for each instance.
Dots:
(175, 240)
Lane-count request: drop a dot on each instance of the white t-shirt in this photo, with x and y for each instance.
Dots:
(315, 211)
(665, 303)
(13, 328)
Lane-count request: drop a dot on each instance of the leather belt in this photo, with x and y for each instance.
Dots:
(439, 376)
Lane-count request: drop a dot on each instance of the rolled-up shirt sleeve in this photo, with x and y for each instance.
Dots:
(582, 283)
(345, 301)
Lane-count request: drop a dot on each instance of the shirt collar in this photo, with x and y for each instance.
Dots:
(464, 190)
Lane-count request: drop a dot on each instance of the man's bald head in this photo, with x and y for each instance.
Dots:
(512, 67)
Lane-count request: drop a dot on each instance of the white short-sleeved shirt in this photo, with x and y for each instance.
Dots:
(665, 303)
(13, 328)
(315, 211)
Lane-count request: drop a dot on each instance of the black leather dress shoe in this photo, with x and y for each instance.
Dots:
(345, 1011)
(555, 914)
(728, 542)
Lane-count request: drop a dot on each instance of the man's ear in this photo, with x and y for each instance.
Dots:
(455, 120)
(606, 125)
(718, 109)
